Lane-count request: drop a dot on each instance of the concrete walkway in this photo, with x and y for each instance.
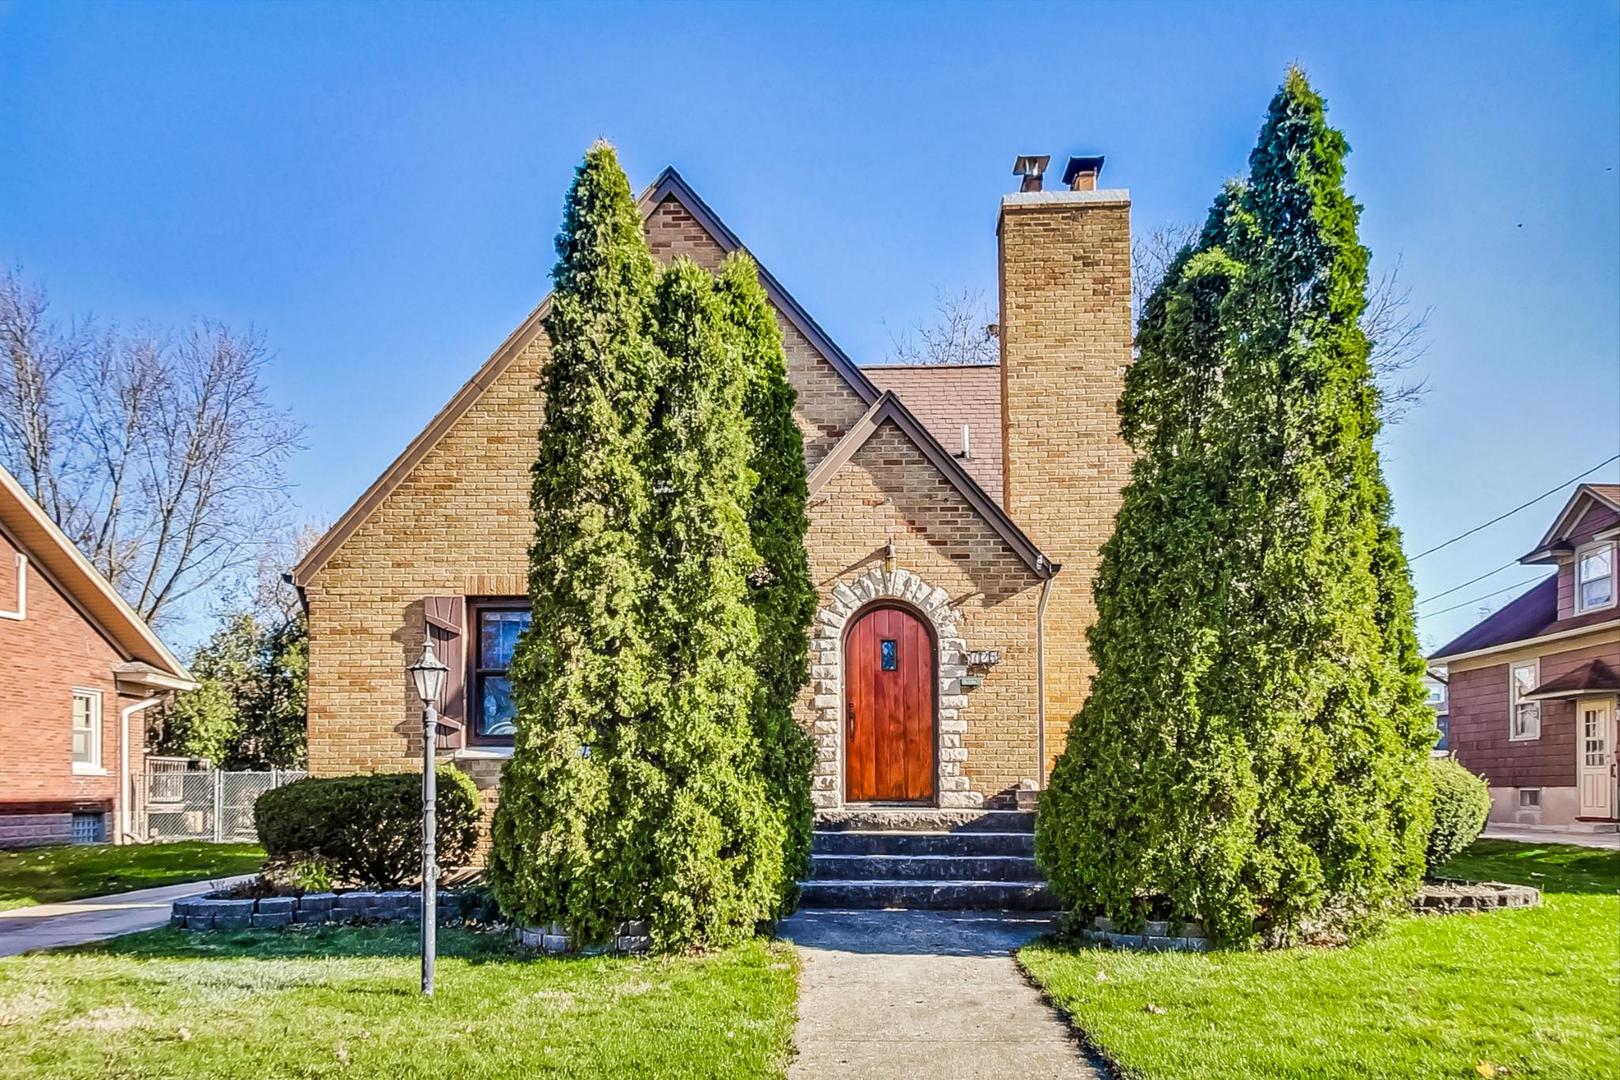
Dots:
(95, 918)
(1528, 835)
(924, 994)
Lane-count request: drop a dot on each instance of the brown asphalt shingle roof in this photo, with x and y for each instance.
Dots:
(946, 396)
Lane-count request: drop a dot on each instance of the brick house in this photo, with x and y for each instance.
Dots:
(80, 667)
(1533, 688)
(955, 519)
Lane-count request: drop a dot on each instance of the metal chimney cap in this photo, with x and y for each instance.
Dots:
(1031, 164)
(1084, 163)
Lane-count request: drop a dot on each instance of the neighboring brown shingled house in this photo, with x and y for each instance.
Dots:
(1533, 687)
(910, 540)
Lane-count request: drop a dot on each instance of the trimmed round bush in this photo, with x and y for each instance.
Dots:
(1461, 804)
(368, 828)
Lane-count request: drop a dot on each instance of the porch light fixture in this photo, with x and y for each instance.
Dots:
(428, 676)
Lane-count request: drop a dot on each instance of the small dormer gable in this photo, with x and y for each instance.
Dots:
(1583, 543)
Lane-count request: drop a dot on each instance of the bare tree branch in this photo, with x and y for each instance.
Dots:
(1391, 323)
(961, 334)
(159, 454)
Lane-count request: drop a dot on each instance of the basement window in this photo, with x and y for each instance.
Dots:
(1529, 798)
(88, 828)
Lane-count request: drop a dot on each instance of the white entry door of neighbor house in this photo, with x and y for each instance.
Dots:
(1595, 733)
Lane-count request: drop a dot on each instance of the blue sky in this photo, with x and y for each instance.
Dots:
(377, 187)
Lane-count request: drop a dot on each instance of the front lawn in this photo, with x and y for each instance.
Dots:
(331, 1001)
(46, 875)
(1529, 993)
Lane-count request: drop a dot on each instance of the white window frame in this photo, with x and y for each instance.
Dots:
(1582, 552)
(1529, 732)
(93, 698)
(1532, 803)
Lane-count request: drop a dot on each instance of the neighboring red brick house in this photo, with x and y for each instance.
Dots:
(79, 668)
(937, 562)
(1533, 688)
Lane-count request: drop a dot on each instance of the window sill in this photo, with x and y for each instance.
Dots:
(481, 753)
(81, 769)
(1524, 738)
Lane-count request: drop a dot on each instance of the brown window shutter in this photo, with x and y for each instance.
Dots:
(446, 618)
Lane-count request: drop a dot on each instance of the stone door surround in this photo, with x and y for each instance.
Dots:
(850, 597)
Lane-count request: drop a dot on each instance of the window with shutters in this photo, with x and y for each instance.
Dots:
(496, 627)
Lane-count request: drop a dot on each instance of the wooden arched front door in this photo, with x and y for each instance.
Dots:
(888, 708)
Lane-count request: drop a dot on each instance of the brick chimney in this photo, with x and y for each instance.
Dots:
(1065, 271)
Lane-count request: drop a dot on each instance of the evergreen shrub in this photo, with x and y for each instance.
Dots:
(1462, 802)
(367, 829)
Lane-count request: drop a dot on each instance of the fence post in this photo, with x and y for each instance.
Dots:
(219, 805)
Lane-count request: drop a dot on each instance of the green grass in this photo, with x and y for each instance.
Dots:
(333, 1001)
(1527, 993)
(49, 874)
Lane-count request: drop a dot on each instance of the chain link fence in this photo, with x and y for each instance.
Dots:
(183, 799)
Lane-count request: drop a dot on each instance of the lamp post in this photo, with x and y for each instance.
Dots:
(428, 674)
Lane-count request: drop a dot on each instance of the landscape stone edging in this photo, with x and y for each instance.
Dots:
(1155, 936)
(1452, 897)
(361, 905)
(1435, 898)
(631, 937)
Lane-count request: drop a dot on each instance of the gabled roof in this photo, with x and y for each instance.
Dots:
(57, 557)
(1532, 614)
(889, 407)
(947, 398)
(1552, 544)
(668, 185)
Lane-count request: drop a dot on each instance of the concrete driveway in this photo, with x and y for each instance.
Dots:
(96, 918)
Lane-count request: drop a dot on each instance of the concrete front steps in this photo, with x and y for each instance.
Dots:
(974, 860)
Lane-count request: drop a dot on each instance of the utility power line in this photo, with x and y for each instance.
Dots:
(1515, 510)
(1464, 585)
(1487, 596)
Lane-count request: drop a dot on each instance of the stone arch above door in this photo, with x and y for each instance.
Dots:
(850, 596)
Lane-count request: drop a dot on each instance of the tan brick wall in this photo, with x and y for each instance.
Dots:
(459, 524)
(828, 407)
(1065, 334)
(888, 489)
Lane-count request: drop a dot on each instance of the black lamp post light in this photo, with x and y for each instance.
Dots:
(428, 675)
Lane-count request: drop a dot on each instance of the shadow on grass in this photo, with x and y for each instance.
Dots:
(1552, 868)
(317, 942)
(916, 933)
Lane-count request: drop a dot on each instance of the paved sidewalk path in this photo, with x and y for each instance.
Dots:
(924, 994)
(94, 918)
(1552, 836)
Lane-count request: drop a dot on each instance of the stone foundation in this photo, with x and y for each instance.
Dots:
(34, 830)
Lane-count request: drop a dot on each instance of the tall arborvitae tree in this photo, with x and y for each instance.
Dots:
(784, 599)
(582, 677)
(1251, 751)
(712, 841)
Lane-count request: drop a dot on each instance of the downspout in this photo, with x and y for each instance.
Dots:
(125, 783)
(1040, 677)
